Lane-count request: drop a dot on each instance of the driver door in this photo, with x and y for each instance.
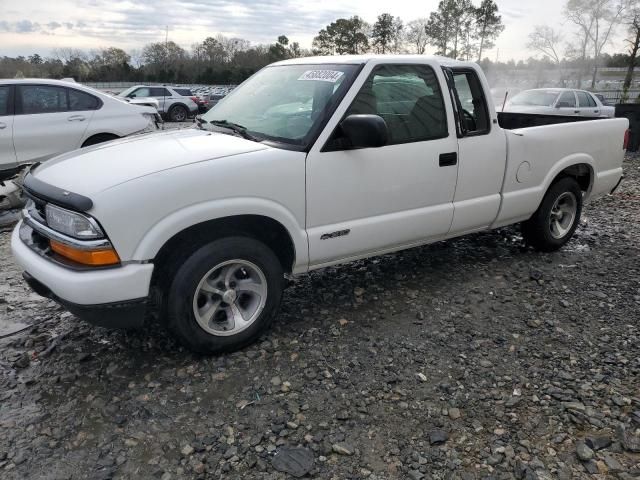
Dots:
(362, 202)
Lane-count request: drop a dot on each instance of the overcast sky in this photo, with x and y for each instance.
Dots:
(28, 26)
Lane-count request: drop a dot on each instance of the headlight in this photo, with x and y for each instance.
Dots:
(73, 224)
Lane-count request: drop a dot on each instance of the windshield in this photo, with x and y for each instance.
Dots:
(536, 98)
(283, 103)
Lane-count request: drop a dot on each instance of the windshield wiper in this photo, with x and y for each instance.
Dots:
(234, 127)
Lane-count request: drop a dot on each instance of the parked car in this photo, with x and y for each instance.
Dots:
(203, 103)
(309, 163)
(172, 104)
(559, 101)
(40, 119)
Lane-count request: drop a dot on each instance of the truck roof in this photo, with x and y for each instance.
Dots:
(359, 59)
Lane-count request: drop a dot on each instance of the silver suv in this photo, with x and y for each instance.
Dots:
(176, 104)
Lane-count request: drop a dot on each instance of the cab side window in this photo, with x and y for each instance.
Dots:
(408, 98)
(475, 113)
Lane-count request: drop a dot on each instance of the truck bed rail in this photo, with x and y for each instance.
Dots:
(513, 120)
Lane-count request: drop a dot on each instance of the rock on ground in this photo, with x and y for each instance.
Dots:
(517, 357)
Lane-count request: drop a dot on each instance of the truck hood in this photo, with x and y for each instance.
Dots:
(95, 169)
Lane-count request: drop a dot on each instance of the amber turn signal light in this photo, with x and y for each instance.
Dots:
(100, 257)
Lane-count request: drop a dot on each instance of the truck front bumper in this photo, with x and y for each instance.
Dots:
(111, 297)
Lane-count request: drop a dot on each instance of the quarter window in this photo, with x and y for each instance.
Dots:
(408, 98)
(42, 99)
(79, 101)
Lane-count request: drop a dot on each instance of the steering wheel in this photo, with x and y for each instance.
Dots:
(469, 120)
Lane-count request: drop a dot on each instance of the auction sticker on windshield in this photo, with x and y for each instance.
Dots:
(322, 75)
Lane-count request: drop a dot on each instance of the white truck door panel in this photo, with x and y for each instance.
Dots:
(45, 127)
(7, 152)
(482, 157)
(377, 199)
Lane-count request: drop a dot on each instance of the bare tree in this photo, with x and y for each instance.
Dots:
(633, 40)
(416, 35)
(68, 54)
(596, 20)
(546, 40)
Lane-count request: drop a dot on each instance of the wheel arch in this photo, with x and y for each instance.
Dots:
(581, 167)
(178, 104)
(265, 229)
(108, 135)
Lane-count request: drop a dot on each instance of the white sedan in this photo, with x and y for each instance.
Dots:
(559, 101)
(40, 119)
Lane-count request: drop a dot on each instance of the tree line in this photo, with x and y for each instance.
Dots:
(458, 29)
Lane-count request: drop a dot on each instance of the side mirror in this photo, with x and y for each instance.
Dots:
(365, 131)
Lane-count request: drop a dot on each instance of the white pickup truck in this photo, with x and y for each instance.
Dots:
(311, 162)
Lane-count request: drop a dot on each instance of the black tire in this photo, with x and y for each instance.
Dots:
(538, 232)
(178, 113)
(99, 138)
(180, 315)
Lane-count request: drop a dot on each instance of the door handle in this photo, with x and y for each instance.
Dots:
(3, 126)
(448, 159)
(596, 111)
(576, 111)
(76, 118)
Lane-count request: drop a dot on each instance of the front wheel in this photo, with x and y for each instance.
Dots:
(225, 295)
(557, 218)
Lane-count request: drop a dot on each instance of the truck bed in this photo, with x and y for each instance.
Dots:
(513, 120)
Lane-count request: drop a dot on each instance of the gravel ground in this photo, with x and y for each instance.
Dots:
(475, 358)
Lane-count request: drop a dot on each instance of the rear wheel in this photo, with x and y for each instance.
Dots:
(178, 113)
(557, 218)
(225, 295)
